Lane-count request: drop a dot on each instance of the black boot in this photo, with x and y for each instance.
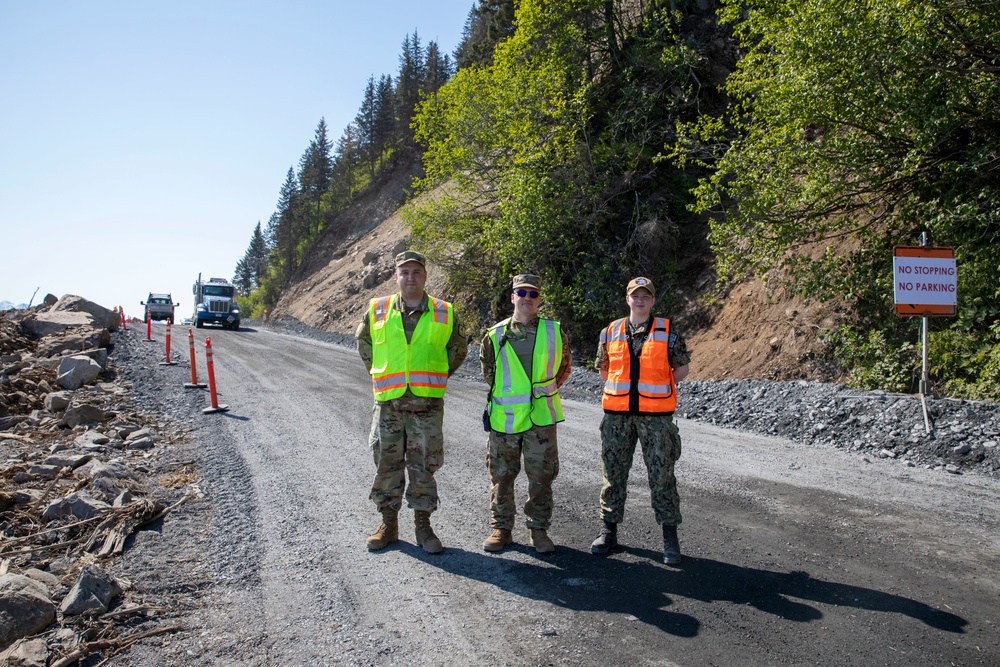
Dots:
(607, 540)
(671, 546)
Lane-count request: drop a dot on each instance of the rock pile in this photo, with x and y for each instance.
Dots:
(962, 435)
(74, 458)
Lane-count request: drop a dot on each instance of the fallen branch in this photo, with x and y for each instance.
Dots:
(119, 643)
(62, 473)
(11, 436)
(51, 530)
(129, 611)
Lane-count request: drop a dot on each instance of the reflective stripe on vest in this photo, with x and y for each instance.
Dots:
(655, 383)
(519, 403)
(420, 365)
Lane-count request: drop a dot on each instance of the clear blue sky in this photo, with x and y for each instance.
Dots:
(141, 142)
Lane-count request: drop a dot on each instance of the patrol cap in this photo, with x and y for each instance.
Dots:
(410, 256)
(527, 280)
(636, 283)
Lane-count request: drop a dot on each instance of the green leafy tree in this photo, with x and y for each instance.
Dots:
(854, 127)
(550, 158)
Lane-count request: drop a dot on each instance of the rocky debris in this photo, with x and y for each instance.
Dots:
(963, 435)
(76, 481)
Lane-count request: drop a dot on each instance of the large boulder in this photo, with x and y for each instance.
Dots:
(25, 608)
(76, 371)
(70, 324)
(103, 317)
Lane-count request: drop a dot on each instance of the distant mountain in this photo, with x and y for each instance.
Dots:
(7, 305)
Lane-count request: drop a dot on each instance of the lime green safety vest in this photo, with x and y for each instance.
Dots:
(421, 364)
(519, 403)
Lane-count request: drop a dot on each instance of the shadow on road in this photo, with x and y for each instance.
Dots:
(581, 581)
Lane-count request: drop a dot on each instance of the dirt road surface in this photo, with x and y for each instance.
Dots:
(794, 555)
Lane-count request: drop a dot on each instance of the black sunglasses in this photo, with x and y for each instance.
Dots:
(525, 292)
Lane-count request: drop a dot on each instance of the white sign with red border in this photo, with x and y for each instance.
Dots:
(925, 281)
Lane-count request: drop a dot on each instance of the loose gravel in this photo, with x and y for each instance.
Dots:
(955, 436)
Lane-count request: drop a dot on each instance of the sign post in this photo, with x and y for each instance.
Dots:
(925, 284)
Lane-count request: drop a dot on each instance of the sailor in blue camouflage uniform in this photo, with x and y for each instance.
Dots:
(641, 358)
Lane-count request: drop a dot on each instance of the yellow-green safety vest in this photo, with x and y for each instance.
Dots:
(421, 364)
(519, 403)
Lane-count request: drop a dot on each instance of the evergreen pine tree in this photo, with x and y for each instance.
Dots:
(409, 83)
(489, 23)
(437, 68)
(280, 235)
(346, 160)
(315, 172)
(366, 122)
(385, 114)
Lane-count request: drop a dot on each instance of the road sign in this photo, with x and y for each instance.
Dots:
(925, 281)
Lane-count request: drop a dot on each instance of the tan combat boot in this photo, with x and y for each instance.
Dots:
(540, 540)
(497, 540)
(387, 531)
(425, 534)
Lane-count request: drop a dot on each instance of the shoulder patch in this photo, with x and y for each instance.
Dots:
(673, 339)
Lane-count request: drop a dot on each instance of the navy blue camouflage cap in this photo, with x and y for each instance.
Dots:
(636, 283)
(527, 280)
(410, 256)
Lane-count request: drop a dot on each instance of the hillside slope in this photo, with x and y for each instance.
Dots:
(751, 334)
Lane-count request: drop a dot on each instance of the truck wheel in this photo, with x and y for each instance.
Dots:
(199, 324)
(236, 325)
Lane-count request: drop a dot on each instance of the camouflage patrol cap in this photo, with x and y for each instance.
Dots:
(636, 283)
(527, 280)
(410, 256)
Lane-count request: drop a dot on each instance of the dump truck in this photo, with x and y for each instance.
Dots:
(215, 303)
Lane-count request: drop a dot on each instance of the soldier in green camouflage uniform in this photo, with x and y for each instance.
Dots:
(406, 435)
(537, 445)
(621, 430)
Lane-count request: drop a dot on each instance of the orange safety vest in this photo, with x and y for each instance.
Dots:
(421, 364)
(655, 384)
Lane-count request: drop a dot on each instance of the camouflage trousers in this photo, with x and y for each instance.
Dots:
(661, 447)
(409, 442)
(541, 465)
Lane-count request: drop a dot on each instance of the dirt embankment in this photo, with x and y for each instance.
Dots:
(752, 334)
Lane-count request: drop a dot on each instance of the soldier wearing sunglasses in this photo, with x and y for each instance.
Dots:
(524, 360)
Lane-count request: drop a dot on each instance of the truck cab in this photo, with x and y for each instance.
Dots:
(215, 303)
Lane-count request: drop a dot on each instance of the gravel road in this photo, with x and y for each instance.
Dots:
(813, 550)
